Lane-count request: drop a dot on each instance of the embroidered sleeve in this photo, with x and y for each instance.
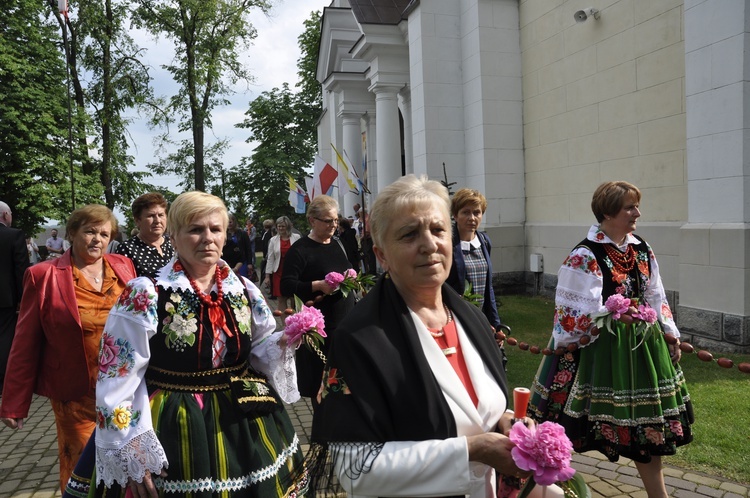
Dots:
(126, 445)
(578, 297)
(657, 298)
(270, 354)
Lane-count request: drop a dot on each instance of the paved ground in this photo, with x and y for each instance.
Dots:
(28, 464)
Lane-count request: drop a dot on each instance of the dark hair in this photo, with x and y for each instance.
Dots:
(609, 198)
(345, 222)
(145, 201)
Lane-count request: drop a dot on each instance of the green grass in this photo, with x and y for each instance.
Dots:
(721, 397)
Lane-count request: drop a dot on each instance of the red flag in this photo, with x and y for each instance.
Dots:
(323, 178)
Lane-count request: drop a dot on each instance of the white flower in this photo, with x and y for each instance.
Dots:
(183, 327)
(169, 307)
(175, 298)
(242, 314)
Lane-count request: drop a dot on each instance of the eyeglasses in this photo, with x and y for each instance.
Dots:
(329, 221)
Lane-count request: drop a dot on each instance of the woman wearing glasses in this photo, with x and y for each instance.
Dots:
(306, 265)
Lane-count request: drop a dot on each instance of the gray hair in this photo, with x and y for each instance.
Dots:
(405, 194)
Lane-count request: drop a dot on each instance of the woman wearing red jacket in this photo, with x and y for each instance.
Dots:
(55, 351)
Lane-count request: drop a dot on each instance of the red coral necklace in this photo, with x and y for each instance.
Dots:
(215, 313)
(622, 262)
(206, 298)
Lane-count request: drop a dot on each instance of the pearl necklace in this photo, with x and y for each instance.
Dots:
(441, 332)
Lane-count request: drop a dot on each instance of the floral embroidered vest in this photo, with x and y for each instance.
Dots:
(184, 337)
(631, 284)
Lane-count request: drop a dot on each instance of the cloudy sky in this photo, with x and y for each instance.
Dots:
(272, 59)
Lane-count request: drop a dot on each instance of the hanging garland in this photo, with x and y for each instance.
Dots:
(685, 347)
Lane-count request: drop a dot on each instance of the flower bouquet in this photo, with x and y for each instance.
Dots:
(349, 281)
(618, 305)
(306, 326)
(545, 450)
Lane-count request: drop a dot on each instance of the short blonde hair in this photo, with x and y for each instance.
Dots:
(186, 207)
(321, 204)
(609, 198)
(286, 221)
(467, 197)
(405, 194)
(90, 214)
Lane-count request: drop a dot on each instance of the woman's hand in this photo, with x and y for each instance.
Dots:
(145, 489)
(674, 351)
(507, 420)
(13, 423)
(267, 280)
(628, 318)
(322, 286)
(493, 449)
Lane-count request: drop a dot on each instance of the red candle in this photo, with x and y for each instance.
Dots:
(520, 401)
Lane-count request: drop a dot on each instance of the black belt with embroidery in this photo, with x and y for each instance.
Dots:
(251, 391)
(216, 379)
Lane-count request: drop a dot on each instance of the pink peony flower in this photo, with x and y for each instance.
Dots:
(647, 314)
(617, 305)
(544, 450)
(308, 319)
(334, 279)
(351, 273)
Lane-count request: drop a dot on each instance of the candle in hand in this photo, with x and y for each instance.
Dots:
(520, 401)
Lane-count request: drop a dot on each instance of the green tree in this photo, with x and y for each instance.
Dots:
(207, 36)
(107, 79)
(118, 82)
(284, 123)
(34, 161)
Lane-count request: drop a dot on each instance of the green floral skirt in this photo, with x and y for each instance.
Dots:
(616, 396)
(216, 450)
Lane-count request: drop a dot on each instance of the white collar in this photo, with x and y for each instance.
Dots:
(466, 245)
(597, 235)
(168, 278)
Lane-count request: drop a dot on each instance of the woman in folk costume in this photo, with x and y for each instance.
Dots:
(189, 372)
(615, 390)
(414, 397)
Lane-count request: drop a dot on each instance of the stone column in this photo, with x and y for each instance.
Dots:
(405, 106)
(388, 145)
(714, 277)
(352, 145)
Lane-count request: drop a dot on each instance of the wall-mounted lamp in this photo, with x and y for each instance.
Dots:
(583, 14)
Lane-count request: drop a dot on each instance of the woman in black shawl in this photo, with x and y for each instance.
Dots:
(414, 397)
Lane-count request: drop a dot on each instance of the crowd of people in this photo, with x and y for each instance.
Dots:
(167, 375)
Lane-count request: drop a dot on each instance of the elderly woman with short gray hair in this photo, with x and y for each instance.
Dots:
(400, 411)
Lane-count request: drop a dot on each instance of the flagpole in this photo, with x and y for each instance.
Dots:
(63, 18)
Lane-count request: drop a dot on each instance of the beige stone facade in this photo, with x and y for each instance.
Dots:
(520, 100)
